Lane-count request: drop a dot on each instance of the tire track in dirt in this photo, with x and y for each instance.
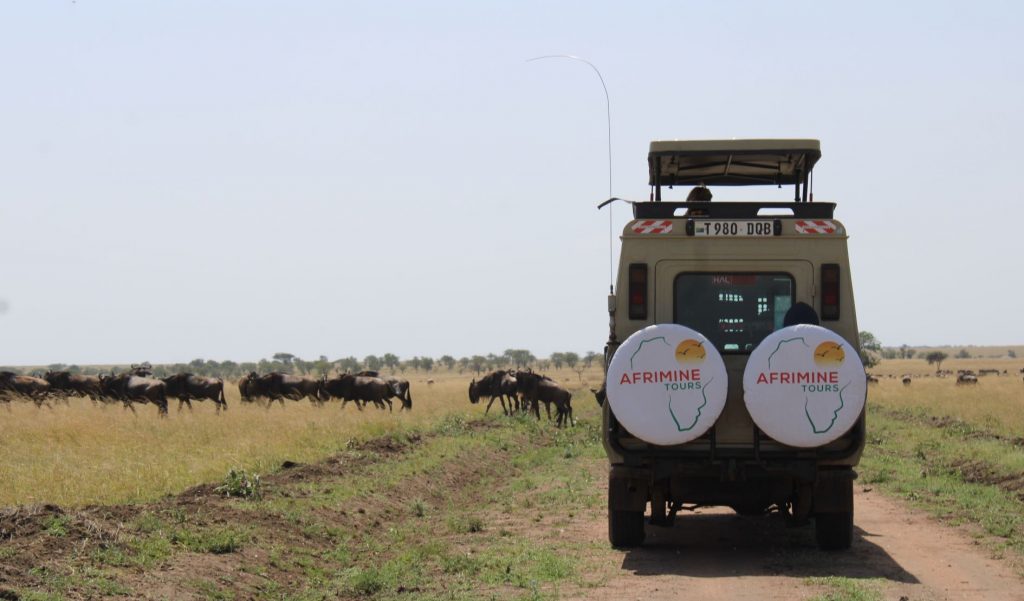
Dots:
(715, 554)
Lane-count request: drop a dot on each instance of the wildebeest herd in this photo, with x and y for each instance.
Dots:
(363, 388)
(138, 385)
(523, 391)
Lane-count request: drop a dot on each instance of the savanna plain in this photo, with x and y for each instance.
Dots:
(442, 502)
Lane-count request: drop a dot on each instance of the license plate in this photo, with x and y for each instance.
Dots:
(713, 227)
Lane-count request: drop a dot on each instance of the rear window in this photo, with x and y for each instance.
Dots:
(736, 311)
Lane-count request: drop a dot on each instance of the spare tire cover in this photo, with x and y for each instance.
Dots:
(667, 384)
(804, 386)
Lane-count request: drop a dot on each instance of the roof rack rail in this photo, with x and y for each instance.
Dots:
(731, 210)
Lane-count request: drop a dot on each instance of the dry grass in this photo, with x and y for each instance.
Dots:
(995, 402)
(82, 454)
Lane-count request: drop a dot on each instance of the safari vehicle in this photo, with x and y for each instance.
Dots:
(731, 271)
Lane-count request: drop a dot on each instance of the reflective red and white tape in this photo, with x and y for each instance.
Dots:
(817, 226)
(652, 226)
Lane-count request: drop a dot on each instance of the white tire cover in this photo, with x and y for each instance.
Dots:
(804, 386)
(667, 384)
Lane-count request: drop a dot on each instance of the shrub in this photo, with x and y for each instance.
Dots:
(239, 483)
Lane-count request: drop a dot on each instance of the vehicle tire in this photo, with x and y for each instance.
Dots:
(834, 531)
(625, 528)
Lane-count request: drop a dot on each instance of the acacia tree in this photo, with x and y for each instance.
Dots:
(391, 360)
(571, 359)
(448, 361)
(285, 358)
(936, 357)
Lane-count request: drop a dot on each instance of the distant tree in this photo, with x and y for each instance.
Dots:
(348, 365)
(588, 359)
(248, 367)
(521, 358)
(557, 359)
(936, 358)
(197, 366)
(373, 362)
(390, 360)
(415, 363)
(56, 367)
(910, 353)
(571, 359)
(322, 366)
(870, 349)
(448, 361)
(478, 363)
(285, 358)
(889, 353)
(426, 363)
(963, 354)
(228, 369)
(1011, 354)
(463, 364)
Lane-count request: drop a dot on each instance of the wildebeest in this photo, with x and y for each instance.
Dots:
(71, 384)
(278, 386)
(966, 379)
(400, 386)
(402, 390)
(31, 387)
(906, 380)
(143, 370)
(129, 388)
(186, 387)
(536, 389)
(872, 379)
(498, 384)
(362, 390)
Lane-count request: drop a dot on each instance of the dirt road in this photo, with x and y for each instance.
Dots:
(715, 554)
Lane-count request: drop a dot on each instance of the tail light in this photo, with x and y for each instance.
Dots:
(830, 291)
(638, 291)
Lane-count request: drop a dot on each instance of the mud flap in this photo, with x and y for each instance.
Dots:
(628, 488)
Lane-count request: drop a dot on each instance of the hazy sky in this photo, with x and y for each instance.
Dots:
(233, 179)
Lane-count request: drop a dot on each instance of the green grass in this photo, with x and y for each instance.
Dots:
(838, 588)
(425, 519)
(952, 469)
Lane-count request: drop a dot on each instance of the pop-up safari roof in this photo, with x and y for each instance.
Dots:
(733, 163)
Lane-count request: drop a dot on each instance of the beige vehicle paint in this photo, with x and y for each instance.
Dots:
(721, 246)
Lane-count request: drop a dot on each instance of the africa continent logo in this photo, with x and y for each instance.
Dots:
(689, 354)
(828, 356)
(667, 384)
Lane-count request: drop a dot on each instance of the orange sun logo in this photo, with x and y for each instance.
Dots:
(829, 353)
(690, 351)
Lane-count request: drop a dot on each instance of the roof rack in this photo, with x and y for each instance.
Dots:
(733, 163)
(731, 210)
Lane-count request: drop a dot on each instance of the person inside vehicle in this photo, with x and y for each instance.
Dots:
(698, 194)
(800, 313)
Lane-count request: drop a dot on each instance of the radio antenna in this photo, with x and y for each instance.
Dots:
(608, 114)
